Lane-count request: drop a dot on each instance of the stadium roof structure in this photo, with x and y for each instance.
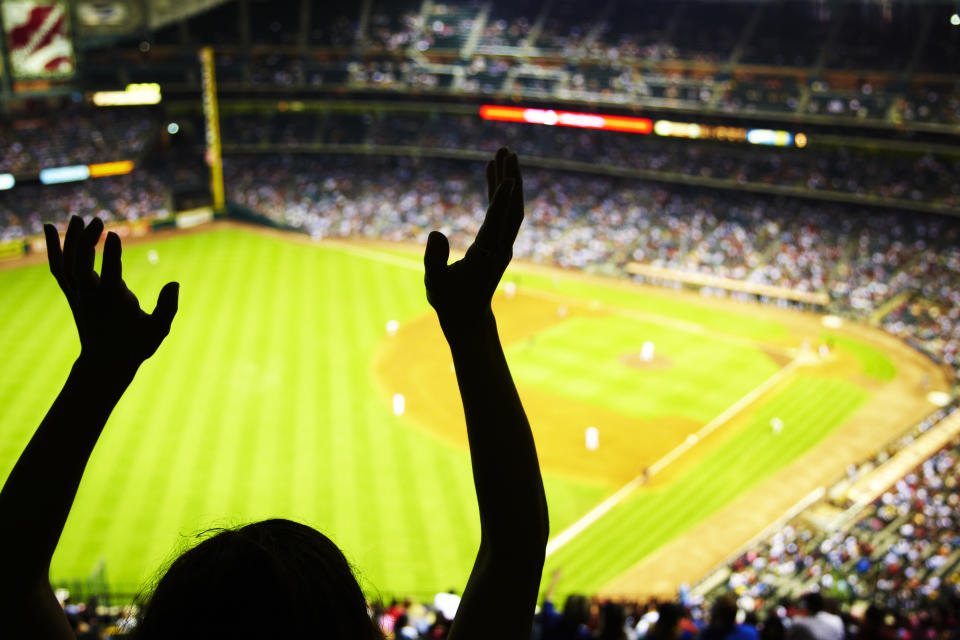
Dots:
(124, 17)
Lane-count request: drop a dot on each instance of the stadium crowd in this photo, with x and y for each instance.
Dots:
(915, 177)
(71, 137)
(136, 196)
(726, 56)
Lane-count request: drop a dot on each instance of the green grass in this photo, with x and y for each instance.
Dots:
(261, 403)
(580, 358)
(873, 362)
(810, 408)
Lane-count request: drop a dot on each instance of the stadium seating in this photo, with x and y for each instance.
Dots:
(917, 178)
(799, 57)
(71, 137)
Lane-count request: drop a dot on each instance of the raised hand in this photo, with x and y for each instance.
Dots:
(461, 292)
(114, 331)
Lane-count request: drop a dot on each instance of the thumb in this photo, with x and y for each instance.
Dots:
(166, 308)
(437, 253)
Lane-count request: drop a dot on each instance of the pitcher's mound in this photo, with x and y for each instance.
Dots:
(636, 361)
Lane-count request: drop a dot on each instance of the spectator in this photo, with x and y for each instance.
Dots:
(822, 624)
(723, 622)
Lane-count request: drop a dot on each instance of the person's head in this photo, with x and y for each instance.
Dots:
(576, 610)
(773, 628)
(668, 619)
(274, 578)
(812, 602)
(723, 615)
(612, 621)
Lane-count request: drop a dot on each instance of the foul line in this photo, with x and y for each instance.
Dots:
(372, 254)
(601, 509)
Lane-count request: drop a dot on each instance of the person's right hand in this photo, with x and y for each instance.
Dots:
(114, 331)
(461, 292)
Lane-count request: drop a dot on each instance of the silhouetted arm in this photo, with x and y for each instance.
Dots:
(513, 509)
(116, 336)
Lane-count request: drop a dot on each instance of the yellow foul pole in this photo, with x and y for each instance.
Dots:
(211, 113)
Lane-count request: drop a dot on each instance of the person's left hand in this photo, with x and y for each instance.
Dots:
(114, 331)
(461, 292)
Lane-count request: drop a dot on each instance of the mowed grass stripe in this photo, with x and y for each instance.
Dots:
(643, 523)
(36, 320)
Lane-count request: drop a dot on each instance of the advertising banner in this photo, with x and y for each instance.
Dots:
(38, 38)
(11, 249)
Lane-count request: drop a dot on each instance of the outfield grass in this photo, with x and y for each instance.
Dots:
(261, 403)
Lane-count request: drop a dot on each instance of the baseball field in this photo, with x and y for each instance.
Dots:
(280, 392)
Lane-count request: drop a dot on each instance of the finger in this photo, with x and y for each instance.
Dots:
(512, 166)
(70, 244)
(111, 272)
(54, 254)
(166, 309)
(514, 217)
(491, 180)
(436, 255)
(500, 161)
(492, 228)
(86, 253)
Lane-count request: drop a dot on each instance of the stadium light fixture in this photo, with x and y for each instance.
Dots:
(133, 94)
(552, 117)
(771, 137)
(105, 169)
(955, 19)
(57, 175)
(7, 181)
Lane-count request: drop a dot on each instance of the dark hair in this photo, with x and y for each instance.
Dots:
(668, 619)
(723, 615)
(813, 601)
(576, 610)
(669, 615)
(274, 578)
(613, 620)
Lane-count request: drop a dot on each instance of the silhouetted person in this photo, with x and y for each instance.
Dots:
(822, 624)
(723, 622)
(277, 578)
(773, 628)
(874, 625)
(667, 626)
(612, 621)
